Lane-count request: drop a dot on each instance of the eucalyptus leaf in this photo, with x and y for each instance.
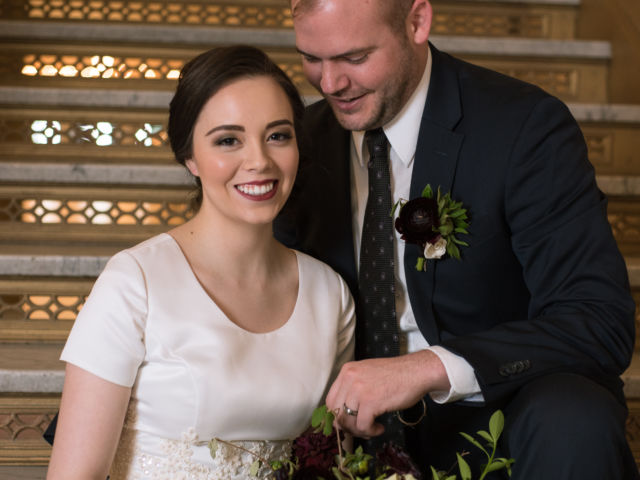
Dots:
(469, 438)
(434, 474)
(213, 447)
(463, 466)
(453, 250)
(493, 466)
(484, 434)
(395, 206)
(327, 429)
(318, 415)
(253, 470)
(445, 229)
(455, 240)
(496, 424)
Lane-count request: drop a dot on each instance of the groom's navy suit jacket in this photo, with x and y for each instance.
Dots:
(542, 287)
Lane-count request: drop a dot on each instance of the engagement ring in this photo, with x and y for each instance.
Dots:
(348, 411)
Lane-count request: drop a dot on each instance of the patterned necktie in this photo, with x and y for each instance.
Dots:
(376, 325)
(377, 328)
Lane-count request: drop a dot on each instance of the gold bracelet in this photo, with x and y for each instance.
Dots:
(413, 424)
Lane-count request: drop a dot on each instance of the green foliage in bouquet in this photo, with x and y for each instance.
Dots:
(318, 455)
(496, 425)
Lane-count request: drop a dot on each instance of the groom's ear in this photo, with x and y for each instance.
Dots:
(192, 166)
(420, 17)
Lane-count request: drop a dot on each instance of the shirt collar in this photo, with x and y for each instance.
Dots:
(402, 132)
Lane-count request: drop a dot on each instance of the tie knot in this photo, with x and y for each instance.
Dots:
(376, 141)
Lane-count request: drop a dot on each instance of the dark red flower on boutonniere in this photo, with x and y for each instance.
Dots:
(432, 224)
(418, 221)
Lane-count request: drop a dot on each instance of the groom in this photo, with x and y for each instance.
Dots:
(536, 318)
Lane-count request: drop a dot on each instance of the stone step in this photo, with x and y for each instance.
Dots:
(31, 378)
(79, 206)
(612, 132)
(66, 54)
(522, 18)
(59, 173)
(24, 472)
(84, 173)
(514, 18)
(42, 124)
(41, 293)
(85, 266)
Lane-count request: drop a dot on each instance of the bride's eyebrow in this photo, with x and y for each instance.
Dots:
(238, 128)
(277, 123)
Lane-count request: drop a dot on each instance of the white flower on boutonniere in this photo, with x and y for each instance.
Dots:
(432, 224)
(435, 250)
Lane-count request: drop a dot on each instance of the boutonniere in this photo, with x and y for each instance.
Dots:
(432, 223)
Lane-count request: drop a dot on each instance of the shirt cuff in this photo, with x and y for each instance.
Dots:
(464, 384)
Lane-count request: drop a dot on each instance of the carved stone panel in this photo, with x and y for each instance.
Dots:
(450, 18)
(23, 420)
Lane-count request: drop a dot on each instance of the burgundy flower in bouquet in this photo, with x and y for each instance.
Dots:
(432, 224)
(393, 459)
(315, 450)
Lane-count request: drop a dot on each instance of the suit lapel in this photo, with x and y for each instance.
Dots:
(435, 164)
(331, 231)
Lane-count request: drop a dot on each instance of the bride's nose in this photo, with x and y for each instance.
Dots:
(257, 157)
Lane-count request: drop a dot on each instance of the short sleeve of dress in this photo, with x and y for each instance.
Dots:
(107, 338)
(346, 329)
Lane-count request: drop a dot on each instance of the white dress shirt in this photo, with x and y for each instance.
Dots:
(402, 133)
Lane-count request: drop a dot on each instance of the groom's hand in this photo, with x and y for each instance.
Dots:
(378, 385)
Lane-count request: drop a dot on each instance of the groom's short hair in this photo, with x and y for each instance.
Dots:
(395, 11)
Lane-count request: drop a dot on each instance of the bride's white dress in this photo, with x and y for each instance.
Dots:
(196, 375)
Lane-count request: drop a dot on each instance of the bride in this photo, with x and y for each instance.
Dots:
(213, 330)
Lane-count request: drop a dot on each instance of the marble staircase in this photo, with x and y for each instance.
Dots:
(85, 168)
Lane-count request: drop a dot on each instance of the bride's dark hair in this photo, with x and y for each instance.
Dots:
(203, 77)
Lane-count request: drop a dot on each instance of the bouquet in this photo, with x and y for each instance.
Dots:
(318, 454)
